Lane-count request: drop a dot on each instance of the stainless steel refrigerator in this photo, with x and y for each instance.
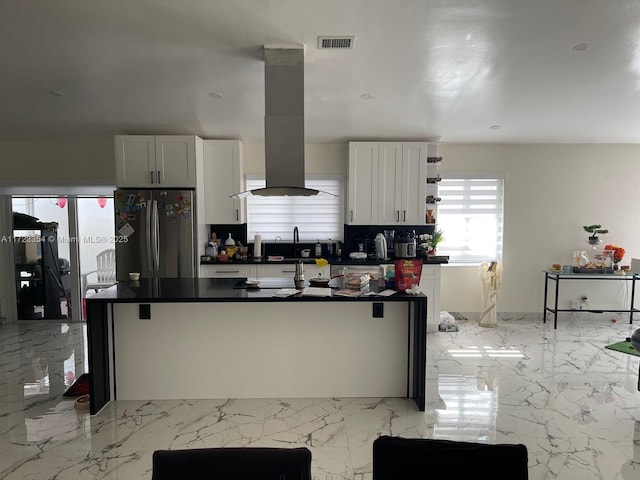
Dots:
(155, 233)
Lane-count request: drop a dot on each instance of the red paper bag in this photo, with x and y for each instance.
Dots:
(407, 274)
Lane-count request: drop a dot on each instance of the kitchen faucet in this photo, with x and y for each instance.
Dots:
(296, 239)
(275, 243)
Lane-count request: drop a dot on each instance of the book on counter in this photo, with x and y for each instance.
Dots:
(356, 280)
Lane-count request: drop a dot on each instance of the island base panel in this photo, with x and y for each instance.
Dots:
(261, 350)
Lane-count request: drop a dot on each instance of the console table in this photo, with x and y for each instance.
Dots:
(557, 277)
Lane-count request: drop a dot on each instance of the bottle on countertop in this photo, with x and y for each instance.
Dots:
(229, 241)
(318, 249)
(216, 241)
(298, 278)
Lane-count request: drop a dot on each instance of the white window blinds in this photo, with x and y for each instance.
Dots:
(320, 217)
(470, 215)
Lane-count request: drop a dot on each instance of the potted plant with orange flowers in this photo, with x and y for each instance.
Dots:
(618, 253)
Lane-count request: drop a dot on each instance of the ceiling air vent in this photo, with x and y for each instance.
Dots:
(340, 42)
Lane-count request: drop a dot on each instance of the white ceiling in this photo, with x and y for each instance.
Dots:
(446, 70)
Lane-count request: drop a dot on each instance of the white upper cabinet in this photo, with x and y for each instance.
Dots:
(362, 204)
(156, 161)
(223, 176)
(387, 183)
(414, 183)
(389, 195)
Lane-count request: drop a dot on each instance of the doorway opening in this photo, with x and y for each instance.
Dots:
(65, 264)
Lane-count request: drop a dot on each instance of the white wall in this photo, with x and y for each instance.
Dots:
(57, 163)
(327, 159)
(551, 191)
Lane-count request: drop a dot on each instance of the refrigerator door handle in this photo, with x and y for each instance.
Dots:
(156, 240)
(149, 236)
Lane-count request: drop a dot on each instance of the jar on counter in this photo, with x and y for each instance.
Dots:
(212, 250)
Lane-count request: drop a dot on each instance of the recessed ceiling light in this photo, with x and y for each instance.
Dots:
(581, 47)
(366, 96)
(56, 93)
(216, 95)
(495, 127)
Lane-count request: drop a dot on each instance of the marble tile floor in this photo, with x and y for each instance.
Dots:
(573, 403)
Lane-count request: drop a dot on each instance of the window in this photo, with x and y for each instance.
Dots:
(471, 217)
(317, 218)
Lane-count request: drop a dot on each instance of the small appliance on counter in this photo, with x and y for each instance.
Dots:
(363, 244)
(405, 245)
(334, 248)
(381, 246)
(390, 236)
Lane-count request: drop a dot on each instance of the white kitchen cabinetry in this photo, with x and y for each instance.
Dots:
(156, 161)
(387, 183)
(414, 187)
(402, 183)
(362, 205)
(288, 270)
(230, 270)
(389, 191)
(430, 286)
(223, 176)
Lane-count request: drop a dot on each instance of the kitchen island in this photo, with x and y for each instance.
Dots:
(214, 338)
(429, 282)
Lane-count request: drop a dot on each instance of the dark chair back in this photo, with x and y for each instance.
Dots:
(241, 463)
(397, 458)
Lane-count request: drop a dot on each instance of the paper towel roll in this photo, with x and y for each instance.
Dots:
(257, 246)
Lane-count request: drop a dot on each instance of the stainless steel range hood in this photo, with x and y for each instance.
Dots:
(284, 123)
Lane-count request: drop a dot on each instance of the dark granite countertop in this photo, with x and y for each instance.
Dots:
(336, 261)
(177, 290)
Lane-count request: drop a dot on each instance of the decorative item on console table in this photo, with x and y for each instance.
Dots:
(594, 230)
(618, 253)
(601, 262)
